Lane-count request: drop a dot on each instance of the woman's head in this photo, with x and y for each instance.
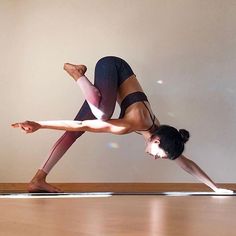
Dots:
(167, 142)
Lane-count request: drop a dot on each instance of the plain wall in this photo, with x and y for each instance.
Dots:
(187, 44)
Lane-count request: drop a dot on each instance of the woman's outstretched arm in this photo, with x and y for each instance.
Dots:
(193, 169)
(115, 126)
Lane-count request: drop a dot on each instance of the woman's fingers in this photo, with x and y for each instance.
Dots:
(15, 125)
(24, 126)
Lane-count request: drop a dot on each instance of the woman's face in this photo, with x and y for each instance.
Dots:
(154, 150)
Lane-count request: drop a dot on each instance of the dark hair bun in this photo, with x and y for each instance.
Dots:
(184, 134)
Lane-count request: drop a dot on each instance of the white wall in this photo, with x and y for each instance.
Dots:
(189, 44)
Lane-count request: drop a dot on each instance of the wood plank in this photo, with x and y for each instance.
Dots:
(119, 187)
(119, 216)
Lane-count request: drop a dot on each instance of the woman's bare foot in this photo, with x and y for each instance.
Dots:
(75, 71)
(42, 186)
(38, 184)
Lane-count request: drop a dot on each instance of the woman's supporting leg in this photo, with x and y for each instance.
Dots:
(38, 183)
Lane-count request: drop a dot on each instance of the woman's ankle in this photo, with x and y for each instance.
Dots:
(39, 176)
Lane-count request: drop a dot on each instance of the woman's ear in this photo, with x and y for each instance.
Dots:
(156, 140)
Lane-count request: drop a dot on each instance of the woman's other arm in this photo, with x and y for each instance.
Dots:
(193, 169)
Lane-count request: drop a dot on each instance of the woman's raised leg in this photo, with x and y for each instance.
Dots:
(110, 72)
(101, 96)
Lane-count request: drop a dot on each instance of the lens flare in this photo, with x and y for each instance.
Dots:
(113, 145)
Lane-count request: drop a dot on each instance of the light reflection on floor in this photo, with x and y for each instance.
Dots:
(108, 194)
(55, 195)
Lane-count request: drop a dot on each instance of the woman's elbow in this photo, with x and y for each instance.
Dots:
(120, 130)
(102, 116)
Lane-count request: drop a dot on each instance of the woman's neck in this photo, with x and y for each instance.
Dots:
(146, 135)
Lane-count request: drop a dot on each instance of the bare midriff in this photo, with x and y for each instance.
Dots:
(130, 85)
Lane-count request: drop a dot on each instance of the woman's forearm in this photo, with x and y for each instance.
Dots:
(197, 172)
(74, 125)
(67, 125)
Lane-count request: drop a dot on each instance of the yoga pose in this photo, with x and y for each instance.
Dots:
(114, 82)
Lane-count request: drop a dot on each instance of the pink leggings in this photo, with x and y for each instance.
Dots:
(110, 73)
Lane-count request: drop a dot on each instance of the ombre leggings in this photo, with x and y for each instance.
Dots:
(110, 73)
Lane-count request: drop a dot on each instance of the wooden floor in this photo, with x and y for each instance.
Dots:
(134, 215)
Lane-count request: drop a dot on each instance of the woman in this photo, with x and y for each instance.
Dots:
(114, 82)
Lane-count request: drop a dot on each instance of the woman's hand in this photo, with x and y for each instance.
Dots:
(223, 191)
(27, 126)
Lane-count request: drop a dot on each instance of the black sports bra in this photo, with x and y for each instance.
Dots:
(133, 98)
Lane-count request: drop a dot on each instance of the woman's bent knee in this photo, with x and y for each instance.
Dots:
(107, 60)
(105, 117)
